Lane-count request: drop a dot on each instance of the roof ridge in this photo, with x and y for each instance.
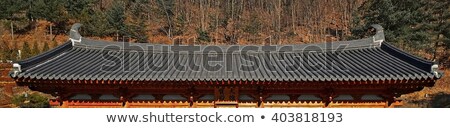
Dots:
(87, 43)
(370, 42)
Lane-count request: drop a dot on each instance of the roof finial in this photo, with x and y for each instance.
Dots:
(74, 34)
(16, 70)
(435, 71)
(379, 36)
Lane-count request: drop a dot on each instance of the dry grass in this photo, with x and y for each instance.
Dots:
(437, 96)
(39, 34)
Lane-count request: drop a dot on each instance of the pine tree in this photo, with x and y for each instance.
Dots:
(116, 19)
(35, 50)
(94, 23)
(26, 51)
(372, 12)
(138, 31)
(400, 20)
(74, 7)
(3, 51)
(11, 16)
(137, 28)
(253, 26)
(166, 7)
(438, 23)
(14, 52)
(54, 44)
(179, 25)
(45, 47)
(11, 7)
(50, 10)
(36, 100)
(203, 36)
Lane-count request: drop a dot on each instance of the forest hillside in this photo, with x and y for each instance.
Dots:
(420, 27)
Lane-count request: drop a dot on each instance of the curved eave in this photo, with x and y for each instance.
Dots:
(407, 57)
(29, 62)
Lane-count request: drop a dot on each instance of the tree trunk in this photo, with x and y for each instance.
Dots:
(293, 16)
(278, 21)
(232, 9)
(217, 22)
(169, 34)
(203, 15)
(51, 31)
(117, 36)
(12, 32)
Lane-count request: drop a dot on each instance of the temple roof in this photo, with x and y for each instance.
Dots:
(368, 59)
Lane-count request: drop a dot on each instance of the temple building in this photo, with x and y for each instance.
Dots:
(83, 72)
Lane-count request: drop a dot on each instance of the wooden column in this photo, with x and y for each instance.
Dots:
(65, 104)
(261, 96)
(261, 102)
(95, 97)
(293, 97)
(158, 97)
(327, 97)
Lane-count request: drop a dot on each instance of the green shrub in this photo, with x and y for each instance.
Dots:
(203, 36)
(31, 101)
